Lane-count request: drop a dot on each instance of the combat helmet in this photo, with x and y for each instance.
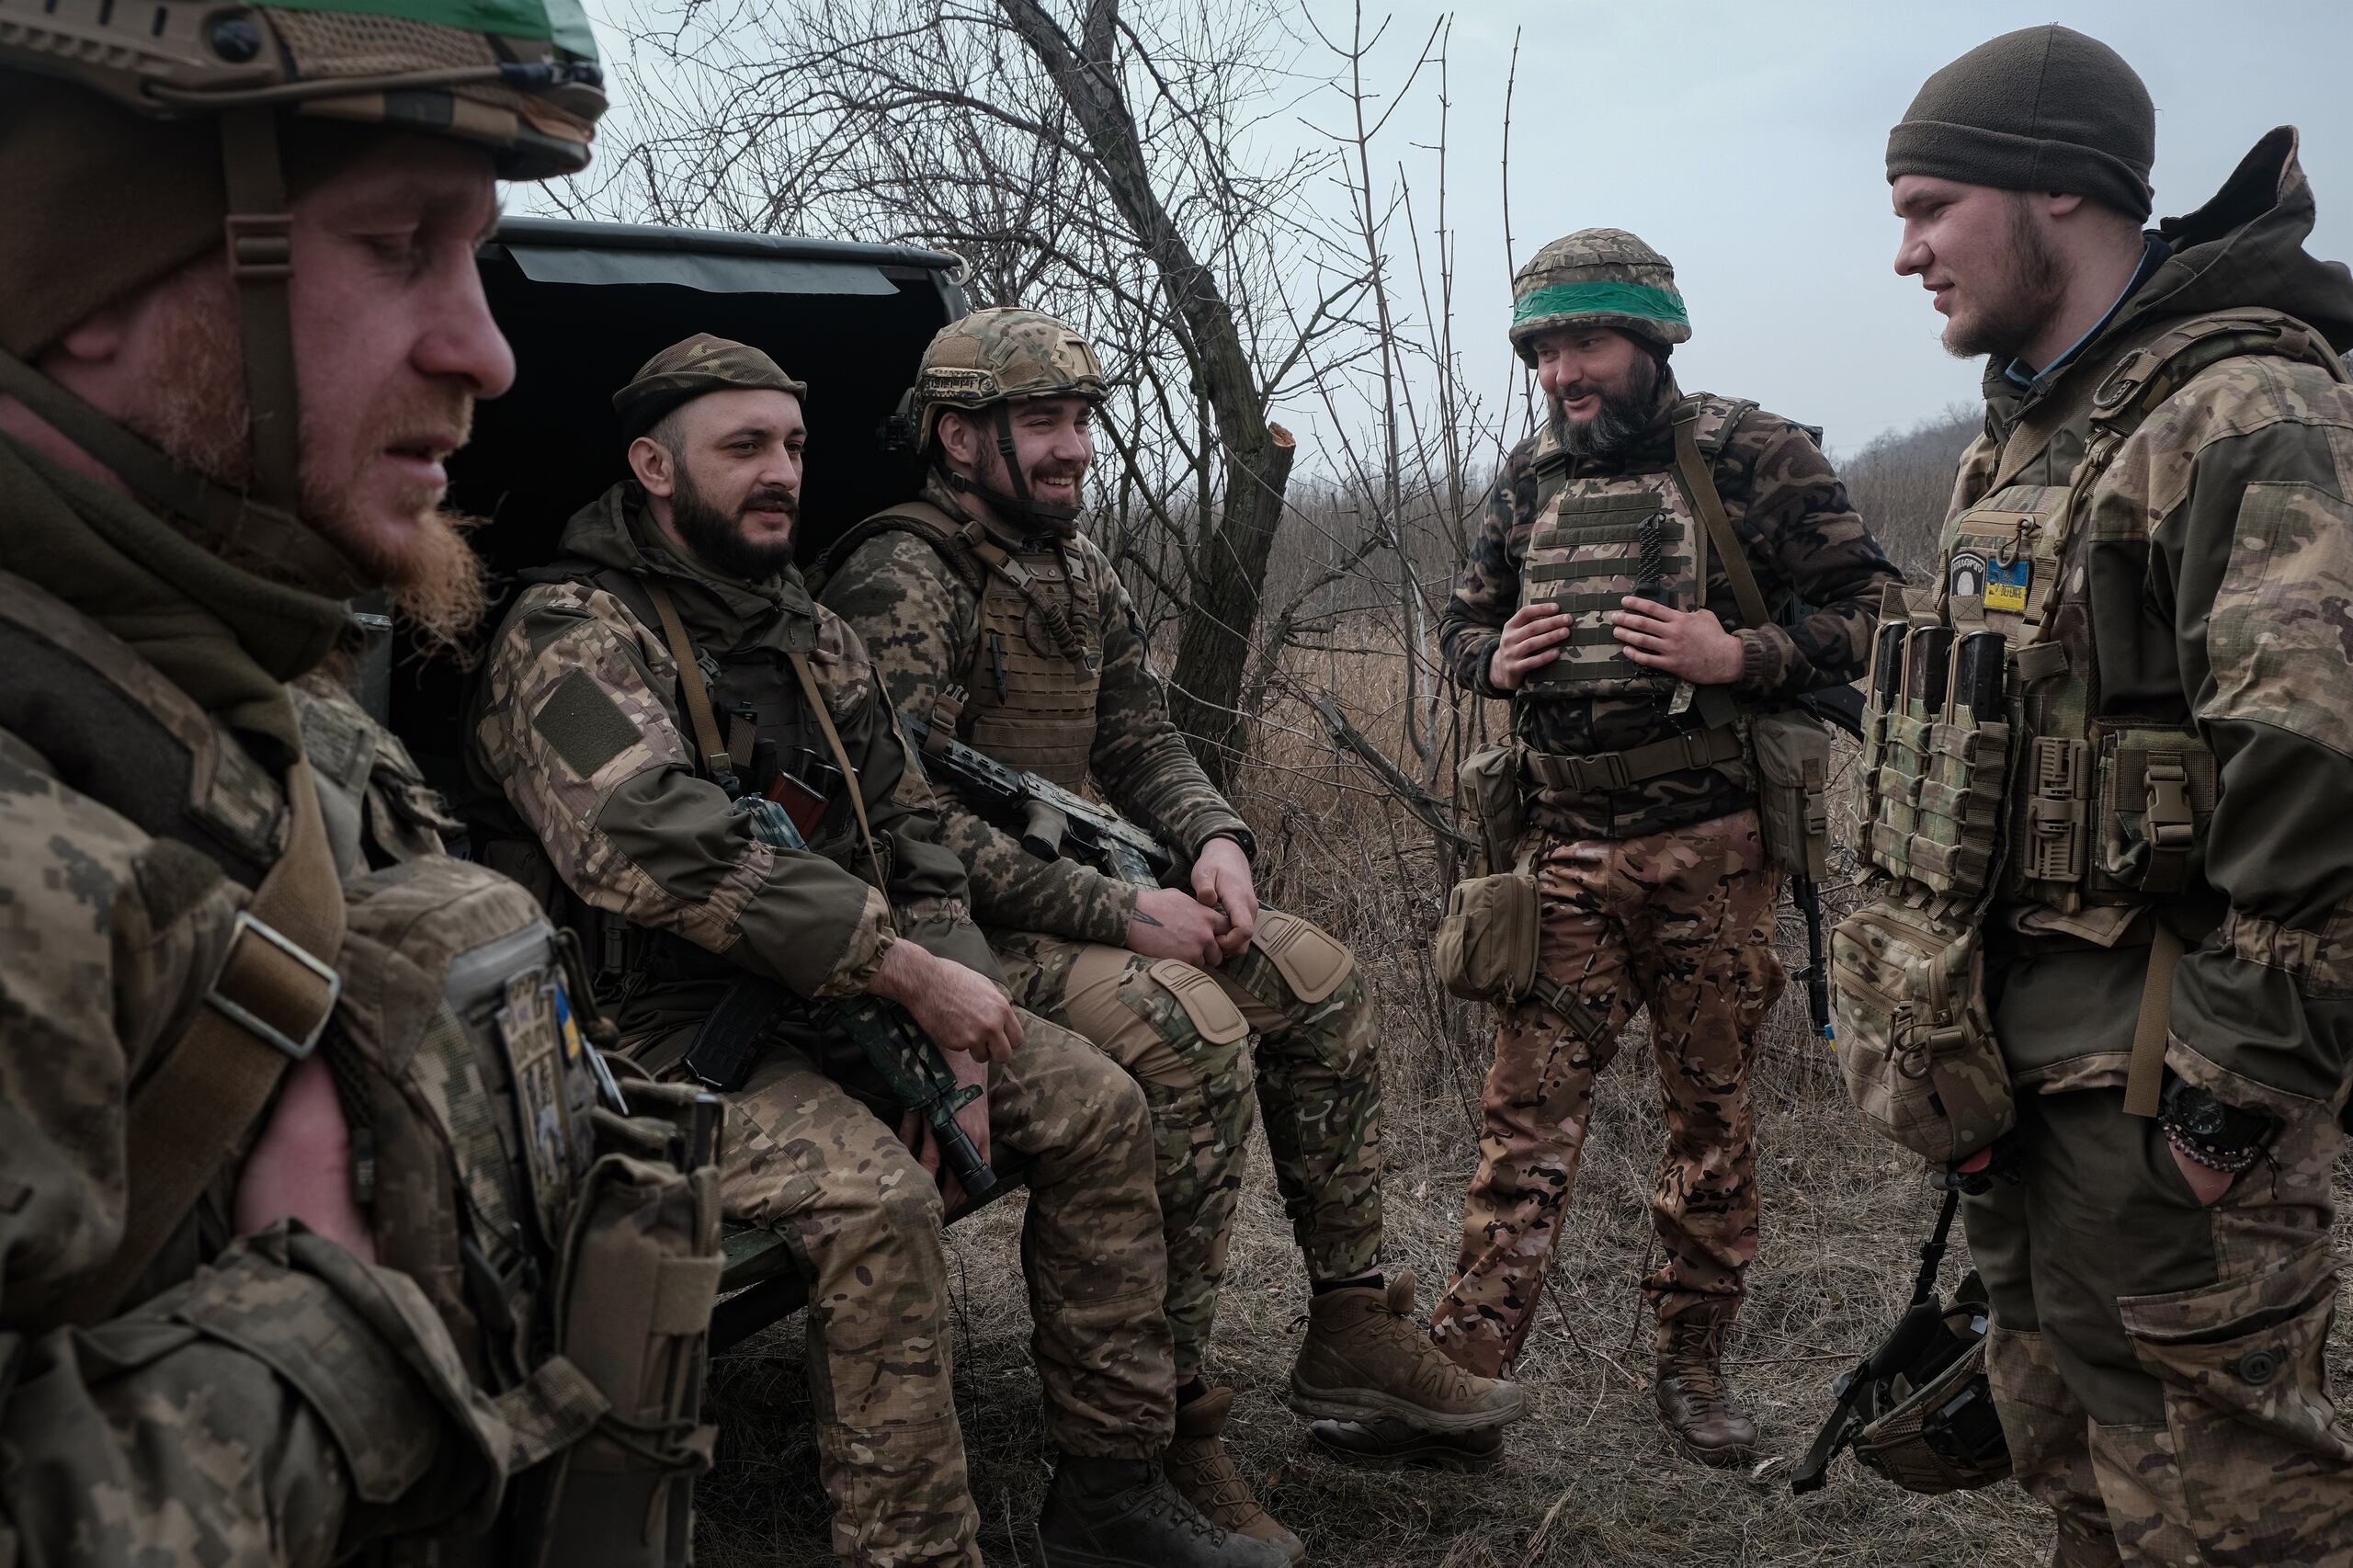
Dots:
(994, 358)
(519, 78)
(1598, 278)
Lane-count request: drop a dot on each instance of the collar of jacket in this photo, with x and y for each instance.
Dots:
(228, 638)
(2246, 247)
(618, 530)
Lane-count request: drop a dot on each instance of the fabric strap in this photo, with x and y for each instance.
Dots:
(1699, 484)
(2144, 1080)
(267, 1006)
(700, 716)
(816, 702)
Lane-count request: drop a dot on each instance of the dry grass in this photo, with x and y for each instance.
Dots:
(1589, 1477)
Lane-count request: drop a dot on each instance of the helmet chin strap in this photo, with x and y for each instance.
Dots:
(1020, 508)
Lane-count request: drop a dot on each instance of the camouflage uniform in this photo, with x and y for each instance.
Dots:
(581, 722)
(266, 1397)
(1655, 893)
(1058, 927)
(2159, 1366)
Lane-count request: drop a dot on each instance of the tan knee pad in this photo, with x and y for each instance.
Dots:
(1312, 961)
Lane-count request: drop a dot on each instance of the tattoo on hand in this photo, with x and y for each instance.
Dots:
(1141, 919)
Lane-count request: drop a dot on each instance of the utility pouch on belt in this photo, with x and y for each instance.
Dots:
(1914, 1033)
(1486, 944)
(1491, 798)
(1792, 753)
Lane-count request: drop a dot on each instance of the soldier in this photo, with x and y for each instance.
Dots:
(986, 582)
(294, 1111)
(2154, 522)
(673, 602)
(1636, 788)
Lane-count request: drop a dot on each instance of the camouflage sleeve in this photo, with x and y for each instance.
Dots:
(574, 726)
(1488, 590)
(248, 1413)
(1797, 518)
(916, 621)
(1141, 763)
(2254, 547)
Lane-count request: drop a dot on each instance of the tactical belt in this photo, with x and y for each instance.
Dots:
(1600, 772)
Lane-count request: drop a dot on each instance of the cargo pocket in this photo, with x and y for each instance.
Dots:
(2246, 1403)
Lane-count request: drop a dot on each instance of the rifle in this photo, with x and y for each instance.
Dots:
(1841, 706)
(907, 1060)
(1052, 823)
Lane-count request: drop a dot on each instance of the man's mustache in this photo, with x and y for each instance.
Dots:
(772, 498)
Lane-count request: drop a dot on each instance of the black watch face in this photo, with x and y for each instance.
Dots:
(2201, 1116)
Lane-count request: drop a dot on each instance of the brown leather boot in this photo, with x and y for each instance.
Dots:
(1201, 1468)
(1368, 1359)
(1694, 1402)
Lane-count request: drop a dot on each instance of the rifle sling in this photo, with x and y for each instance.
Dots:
(816, 700)
(268, 1006)
(1699, 484)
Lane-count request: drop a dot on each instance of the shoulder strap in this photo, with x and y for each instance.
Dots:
(960, 548)
(700, 715)
(816, 700)
(1699, 484)
(266, 1007)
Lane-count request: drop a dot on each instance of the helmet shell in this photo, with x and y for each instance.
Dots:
(1598, 278)
(519, 78)
(1004, 354)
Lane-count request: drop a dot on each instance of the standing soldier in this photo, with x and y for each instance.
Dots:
(647, 693)
(1632, 677)
(313, 1237)
(2155, 526)
(984, 584)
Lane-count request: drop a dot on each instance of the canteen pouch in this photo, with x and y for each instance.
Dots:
(1489, 779)
(1486, 944)
(1915, 1035)
(1792, 760)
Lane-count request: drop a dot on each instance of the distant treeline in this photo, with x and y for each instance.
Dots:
(1901, 482)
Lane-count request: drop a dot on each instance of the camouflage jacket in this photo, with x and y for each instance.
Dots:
(579, 719)
(921, 623)
(267, 1398)
(2217, 555)
(1818, 566)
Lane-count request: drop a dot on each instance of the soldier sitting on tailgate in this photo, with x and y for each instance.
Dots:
(317, 1240)
(985, 583)
(646, 694)
(1653, 569)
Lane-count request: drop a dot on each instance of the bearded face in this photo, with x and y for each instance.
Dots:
(749, 536)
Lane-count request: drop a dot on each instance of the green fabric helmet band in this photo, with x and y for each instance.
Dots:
(1639, 300)
(560, 22)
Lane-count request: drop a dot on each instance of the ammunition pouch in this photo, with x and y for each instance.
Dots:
(1791, 750)
(1915, 1034)
(1493, 799)
(1918, 1409)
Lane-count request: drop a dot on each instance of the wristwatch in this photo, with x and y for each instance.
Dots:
(2204, 1130)
(1243, 840)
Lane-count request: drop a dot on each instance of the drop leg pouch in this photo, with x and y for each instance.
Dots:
(1916, 1036)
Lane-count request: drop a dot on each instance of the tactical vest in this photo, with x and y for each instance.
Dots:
(1598, 537)
(2088, 816)
(1037, 665)
(483, 1128)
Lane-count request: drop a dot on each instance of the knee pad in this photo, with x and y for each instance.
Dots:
(1312, 963)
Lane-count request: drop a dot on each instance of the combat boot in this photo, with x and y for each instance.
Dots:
(1366, 1358)
(1394, 1443)
(1694, 1402)
(1103, 1513)
(1197, 1463)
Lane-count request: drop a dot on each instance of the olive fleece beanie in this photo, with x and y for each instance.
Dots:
(2041, 108)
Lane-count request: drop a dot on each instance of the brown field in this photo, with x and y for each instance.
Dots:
(1589, 1478)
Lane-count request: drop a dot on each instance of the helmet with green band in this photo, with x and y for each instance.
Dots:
(518, 79)
(1597, 278)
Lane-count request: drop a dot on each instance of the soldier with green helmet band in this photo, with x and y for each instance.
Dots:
(2137, 1070)
(326, 1236)
(993, 618)
(1658, 579)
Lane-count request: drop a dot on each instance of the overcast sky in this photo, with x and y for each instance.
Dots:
(1745, 141)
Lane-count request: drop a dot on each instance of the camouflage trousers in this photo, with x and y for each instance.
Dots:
(2159, 1367)
(863, 1220)
(1680, 922)
(1184, 1033)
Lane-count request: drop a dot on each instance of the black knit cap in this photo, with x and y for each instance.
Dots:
(2041, 108)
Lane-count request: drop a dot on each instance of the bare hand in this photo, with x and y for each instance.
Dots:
(1531, 639)
(2206, 1183)
(301, 1165)
(1690, 643)
(957, 1007)
(1222, 881)
(1170, 922)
